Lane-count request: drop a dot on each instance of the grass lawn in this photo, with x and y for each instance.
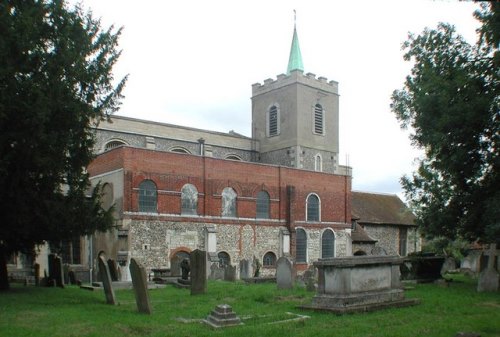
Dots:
(47, 312)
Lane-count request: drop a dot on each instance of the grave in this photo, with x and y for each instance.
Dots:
(113, 270)
(489, 277)
(140, 284)
(198, 263)
(222, 316)
(245, 269)
(230, 273)
(359, 284)
(216, 271)
(284, 273)
(56, 276)
(184, 281)
(106, 281)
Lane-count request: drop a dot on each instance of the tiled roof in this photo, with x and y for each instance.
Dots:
(378, 208)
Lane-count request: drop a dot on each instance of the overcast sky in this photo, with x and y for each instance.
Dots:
(193, 63)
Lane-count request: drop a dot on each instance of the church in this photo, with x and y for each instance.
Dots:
(280, 192)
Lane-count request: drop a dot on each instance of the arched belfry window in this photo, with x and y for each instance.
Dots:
(273, 121)
(301, 245)
(262, 205)
(228, 202)
(114, 143)
(318, 120)
(189, 200)
(328, 244)
(318, 163)
(313, 208)
(147, 196)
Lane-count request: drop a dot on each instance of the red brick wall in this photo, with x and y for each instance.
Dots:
(170, 171)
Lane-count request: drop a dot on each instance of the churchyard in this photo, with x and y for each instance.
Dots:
(264, 310)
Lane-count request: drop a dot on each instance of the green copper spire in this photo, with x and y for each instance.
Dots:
(295, 59)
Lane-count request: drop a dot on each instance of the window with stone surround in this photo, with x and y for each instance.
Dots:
(147, 197)
(328, 244)
(189, 200)
(403, 239)
(228, 202)
(301, 245)
(273, 121)
(269, 259)
(318, 120)
(113, 143)
(318, 163)
(262, 205)
(313, 208)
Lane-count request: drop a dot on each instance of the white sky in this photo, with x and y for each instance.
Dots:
(193, 63)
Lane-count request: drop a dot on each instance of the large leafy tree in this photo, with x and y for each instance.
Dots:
(56, 83)
(451, 102)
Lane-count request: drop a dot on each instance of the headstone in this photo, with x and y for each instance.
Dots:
(140, 284)
(449, 264)
(245, 269)
(222, 316)
(216, 271)
(489, 278)
(106, 281)
(230, 273)
(175, 266)
(55, 271)
(198, 261)
(310, 278)
(113, 269)
(284, 273)
(36, 270)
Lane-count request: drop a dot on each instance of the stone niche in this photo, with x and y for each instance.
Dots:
(358, 284)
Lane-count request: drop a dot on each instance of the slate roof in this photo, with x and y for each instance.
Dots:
(360, 235)
(376, 208)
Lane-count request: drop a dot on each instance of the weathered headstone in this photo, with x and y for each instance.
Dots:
(245, 269)
(175, 265)
(284, 273)
(113, 269)
(106, 281)
(310, 278)
(140, 283)
(198, 261)
(489, 278)
(230, 273)
(216, 271)
(56, 277)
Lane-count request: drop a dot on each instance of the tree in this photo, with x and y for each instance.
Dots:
(451, 102)
(56, 84)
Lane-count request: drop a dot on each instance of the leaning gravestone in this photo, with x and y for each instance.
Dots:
(106, 281)
(284, 273)
(198, 262)
(140, 284)
(113, 270)
(175, 266)
(489, 278)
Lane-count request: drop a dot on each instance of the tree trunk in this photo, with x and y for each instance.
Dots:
(4, 276)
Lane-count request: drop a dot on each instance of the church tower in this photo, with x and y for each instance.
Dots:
(295, 118)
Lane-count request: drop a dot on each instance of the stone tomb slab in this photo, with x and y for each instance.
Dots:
(359, 284)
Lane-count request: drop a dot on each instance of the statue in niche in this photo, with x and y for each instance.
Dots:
(228, 202)
(185, 268)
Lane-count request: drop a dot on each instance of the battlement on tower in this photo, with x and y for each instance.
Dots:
(296, 76)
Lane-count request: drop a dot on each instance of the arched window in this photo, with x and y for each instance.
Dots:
(301, 245)
(313, 208)
(318, 163)
(328, 244)
(262, 205)
(189, 200)
(147, 196)
(269, 259)
(319, 121)
(273, 117)
(112, 144)
(224, 259)
(228, 202)
(107, 196)
(179, 149)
